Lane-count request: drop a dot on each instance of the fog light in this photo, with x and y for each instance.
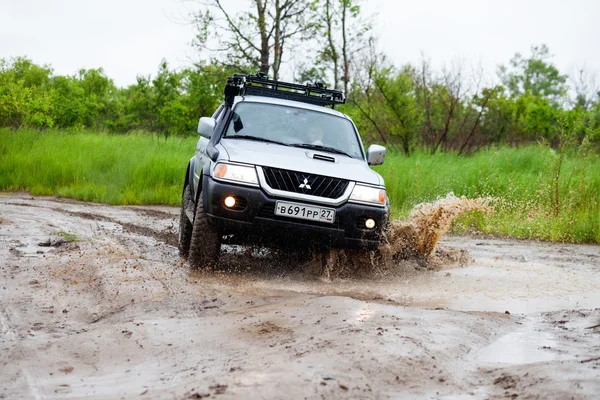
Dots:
(229, 201)
(370, 223)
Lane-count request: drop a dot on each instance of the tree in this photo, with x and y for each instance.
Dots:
(448, 93)
(345, 32)
(451, 115)
(255, 38)
(497, 124)
(98, 90)
(383, 102)
(535, 75)
(203, 89)
(400, 110)
(172, 102)
(25, 94)
(585, 88)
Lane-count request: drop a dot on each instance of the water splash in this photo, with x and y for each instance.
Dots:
(412, 240)
(427, 224)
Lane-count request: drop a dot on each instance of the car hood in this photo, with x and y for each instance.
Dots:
(299, 159)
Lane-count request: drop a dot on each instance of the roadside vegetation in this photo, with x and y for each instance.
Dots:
(521, 183)
(142, 168)
(137, 168)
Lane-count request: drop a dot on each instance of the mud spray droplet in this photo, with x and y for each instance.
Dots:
(413, 239)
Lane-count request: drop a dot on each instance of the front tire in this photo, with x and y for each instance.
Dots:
(205, 244)
(185, 226)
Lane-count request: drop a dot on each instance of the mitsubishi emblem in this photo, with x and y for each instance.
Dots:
(305, 185)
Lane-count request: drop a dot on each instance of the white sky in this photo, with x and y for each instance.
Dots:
(130, 37)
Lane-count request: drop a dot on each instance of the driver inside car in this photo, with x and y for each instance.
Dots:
(315, 136)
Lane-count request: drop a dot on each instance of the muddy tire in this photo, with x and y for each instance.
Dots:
(185, 226)
(205, 244)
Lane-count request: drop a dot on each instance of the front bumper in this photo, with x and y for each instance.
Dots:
(255, 219)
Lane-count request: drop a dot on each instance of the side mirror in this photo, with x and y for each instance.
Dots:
(375, 154)
(206, 125)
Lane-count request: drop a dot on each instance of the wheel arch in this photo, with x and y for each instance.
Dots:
(189, 177)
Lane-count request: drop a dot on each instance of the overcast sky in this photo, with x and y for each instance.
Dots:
(130, 37)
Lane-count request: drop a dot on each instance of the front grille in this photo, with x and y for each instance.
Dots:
(300, 182)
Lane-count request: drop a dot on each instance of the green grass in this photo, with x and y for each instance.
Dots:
(145, 169)
(99, 167)
(69, 237)
(519, 179)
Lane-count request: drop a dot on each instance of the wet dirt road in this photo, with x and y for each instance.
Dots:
(95, 303)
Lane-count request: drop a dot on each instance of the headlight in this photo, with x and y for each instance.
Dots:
(237, 173)
(368, 194)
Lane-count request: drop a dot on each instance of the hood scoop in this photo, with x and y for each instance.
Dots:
(323, 157)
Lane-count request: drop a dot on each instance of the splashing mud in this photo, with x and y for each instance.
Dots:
(426, 225)
(412, 240)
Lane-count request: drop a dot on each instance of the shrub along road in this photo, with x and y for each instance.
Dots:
(95, 302)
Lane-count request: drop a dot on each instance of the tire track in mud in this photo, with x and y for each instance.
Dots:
(163, 236)
(182, 294)
(164, 268)
(166, 237)
(18, 343)
(103, 283)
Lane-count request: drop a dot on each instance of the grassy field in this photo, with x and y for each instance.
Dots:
(521, 181)
(145, 169)
(114, 169)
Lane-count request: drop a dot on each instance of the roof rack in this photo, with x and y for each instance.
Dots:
(260, 85)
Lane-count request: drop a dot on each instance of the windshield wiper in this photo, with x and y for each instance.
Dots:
(303, 145)
(321, 148)
(255, 138)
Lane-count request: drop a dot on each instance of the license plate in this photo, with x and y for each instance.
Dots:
(302, 211)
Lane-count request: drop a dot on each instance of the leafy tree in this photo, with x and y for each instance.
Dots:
(98, 91)
(535, 75)
(386, 107)
(402, 108)
(171, 103)
(25, 94)
(593, 122)
(168, 108)
(498, 124)
(203, 88)
(535, 118)
(69, 102)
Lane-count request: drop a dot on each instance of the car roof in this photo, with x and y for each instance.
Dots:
(289, 103)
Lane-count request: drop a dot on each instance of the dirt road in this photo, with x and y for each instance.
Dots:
(95, 303)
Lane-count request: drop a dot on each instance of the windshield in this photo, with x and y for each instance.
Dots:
(292, 126)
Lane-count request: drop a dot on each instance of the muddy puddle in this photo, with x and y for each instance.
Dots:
(525, 345)
(95, 303)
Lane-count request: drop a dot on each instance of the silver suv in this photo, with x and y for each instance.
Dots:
(275, 166)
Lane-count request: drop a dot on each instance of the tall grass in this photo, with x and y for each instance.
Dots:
(114, 169)
(521, 182)
(145, 169)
